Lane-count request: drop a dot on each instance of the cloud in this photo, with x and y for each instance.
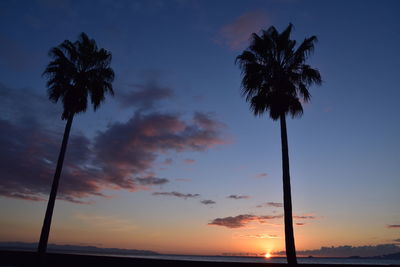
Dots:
(234, 222)
(144, 96)
(205, 121)
(270, 204)
(28, 158)
(305, 217)
(262, 175)
(150, 180)
(119, 157)
(176, 194)
(260, 236)
(397, 240)
(236, 34)
(25, 196)
(207, 202)
(241, 220)
(348, 251)
(189, 161)
(167, 161)
(393, 226)
(238, 197)
(131, 148)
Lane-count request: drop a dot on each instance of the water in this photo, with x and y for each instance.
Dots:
(264, 260)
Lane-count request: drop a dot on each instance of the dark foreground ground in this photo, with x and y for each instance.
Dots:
(25, 259)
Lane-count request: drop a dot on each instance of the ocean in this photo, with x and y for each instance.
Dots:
(314, 260)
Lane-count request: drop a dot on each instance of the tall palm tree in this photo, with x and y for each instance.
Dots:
(78, 70)
(275, 81)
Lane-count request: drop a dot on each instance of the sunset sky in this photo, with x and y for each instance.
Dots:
(176, 162)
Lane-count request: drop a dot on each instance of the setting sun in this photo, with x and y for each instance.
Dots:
(267, 255)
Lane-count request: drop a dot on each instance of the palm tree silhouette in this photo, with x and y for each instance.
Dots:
(275, 80)
(78, 70)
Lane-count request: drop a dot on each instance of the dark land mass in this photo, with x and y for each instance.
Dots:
(393, 256)
(31, 259)
(74, 249)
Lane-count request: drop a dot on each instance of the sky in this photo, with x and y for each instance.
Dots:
(176, 162)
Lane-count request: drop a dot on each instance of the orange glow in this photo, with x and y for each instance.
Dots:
(267, 255)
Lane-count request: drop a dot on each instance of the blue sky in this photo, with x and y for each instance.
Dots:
(344, 151)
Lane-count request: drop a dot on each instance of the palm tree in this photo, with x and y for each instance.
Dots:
(275, 81)
(78, 70)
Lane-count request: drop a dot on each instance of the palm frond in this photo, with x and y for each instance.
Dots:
(303, 92)
(295, 108)
(79, 70)
(309, 75)
(304, 50)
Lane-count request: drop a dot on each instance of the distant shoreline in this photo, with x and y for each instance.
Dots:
(98, 251)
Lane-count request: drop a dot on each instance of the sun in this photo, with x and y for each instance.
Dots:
(267, 255)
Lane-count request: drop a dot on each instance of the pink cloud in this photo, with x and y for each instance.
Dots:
(119, 158)
(167, 161)
(240, 221)
(236, 34)
(206, 121)
(305, 217)
(176, 194)
(238, 196)
(271, 204)
(207, 202)
(125, 149)
(262, 175)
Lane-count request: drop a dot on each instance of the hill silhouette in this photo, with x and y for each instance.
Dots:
(74, 248)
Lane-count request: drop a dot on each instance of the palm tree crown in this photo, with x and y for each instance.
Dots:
(79, 70)
(275, 76)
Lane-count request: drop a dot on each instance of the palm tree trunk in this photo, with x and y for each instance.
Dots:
(44, 236)
(287, 196)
